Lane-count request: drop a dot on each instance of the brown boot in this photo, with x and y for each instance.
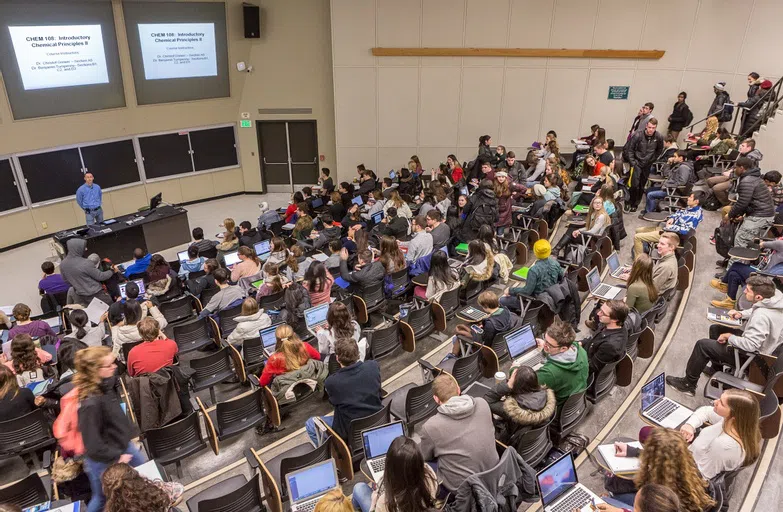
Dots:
(726, 303)
(590, 324)
(719, 285)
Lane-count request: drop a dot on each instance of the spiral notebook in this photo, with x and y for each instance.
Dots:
(620, 464)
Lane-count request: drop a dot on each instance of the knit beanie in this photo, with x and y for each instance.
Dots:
(542, 249)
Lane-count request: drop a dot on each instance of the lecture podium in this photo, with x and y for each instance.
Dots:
(152, 230)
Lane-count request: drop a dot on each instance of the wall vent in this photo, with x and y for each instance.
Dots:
(285, 111)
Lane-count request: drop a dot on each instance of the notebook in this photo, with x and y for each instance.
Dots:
(620, 464)
(463, 248)
(521, 273)
(342, 283)
(721, 315)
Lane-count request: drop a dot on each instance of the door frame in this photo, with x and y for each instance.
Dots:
(279, 188)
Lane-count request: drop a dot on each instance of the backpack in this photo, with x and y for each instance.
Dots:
(711, 203)
(66, 426)
(483, 214)
(724, 238)
(728, 112)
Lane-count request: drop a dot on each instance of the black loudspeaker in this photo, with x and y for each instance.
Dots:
(252, 16)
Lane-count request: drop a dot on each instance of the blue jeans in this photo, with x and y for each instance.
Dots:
(510, 302)
(740, 272)
(626, 499)
(653, 196)
(95, 469)
(362, 497)
(94, 216)
(312, 429)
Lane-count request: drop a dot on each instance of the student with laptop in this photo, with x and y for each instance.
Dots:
(545, 272)
(249, 264)
(566, 368)
(499, 320)
(289, 353)
(249, 236)
(393, 225)
(354, 391)
(762, 333)
(336, 324)
(521, 402)
(641, 292)
(199, 241)
(407, 483)
(141, 260)
(318, 283)
(250, 322)
(126, 330)
(608, 344)
(193, 263)
(316, 488)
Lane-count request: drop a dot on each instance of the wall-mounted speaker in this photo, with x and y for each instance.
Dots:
(252, 17)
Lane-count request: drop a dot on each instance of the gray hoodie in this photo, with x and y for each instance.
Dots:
(755, 155)
(80, 272)
(681, 176)
(763, 326)
(461, 436)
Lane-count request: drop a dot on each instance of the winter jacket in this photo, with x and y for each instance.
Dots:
(503, 488)
(312, 374)
(605, 347)
(461, 437)
(643, 149)
(266, 219)
(763, 326)
(753, 197)
(368, 275)
(502, 320)
(366, 187)
(566, 373)
(527, 409)
(105, 428)
(563, 299)
(682, 176)
(481, 271)
(121, 334)
(482, 208)
(402, 211)
(755, 155)
(717, 110)
(251, 237)
(542, 275)
(248, 326)
(80, 272)
(397, 227)
(326, 235)
(154, 398)
(186, 267)
(355, 392)
(681, 117)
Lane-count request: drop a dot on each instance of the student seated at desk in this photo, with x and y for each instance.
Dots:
(566, 368)
(194, 263)
(199, 241)
(35, 328)
(499, 320)
(228, 296)
(596, 223)
(127, 491)
(739, 272)
(83, 329)
(318, 282)
(521, 402)
(279, 251)
(249, 322)
(333, 261)
(15, 401)
(51, 283)
(274, 281)
(290, 354)
(127, 331)
(249, 236)
(392, 225)
(304, 223)
(545, 272)
(392, 258)
(609, 343)
(249, 264)
(442, 278)
(290, 212)
(339, 325)
(229, 244)
(141, 260)
(479, 264)
(367, 273)
(421, 243)
(155, 352)
(26, 361)
(642, 293)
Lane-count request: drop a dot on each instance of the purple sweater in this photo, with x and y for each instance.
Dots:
(53, 284)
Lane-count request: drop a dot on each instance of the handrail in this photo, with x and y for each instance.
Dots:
(768, 110)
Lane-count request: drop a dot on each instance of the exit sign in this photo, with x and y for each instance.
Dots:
(246, 123)
(618, 92)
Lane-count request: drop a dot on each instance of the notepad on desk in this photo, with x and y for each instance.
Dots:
(149, 470)
(620, 464)
(721, 315)
(581, 209)
(463, 248)
(521, 273)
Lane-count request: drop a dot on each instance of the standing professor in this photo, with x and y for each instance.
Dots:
(89, 198)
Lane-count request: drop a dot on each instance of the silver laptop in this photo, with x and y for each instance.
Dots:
(523, 349)
(560, 490)
(231, 259)
(308, 485)
(268, 339)
(599, 289)
(615, 269)
(376, 442)
(139, 283)
(263, 250)
(659, 409)
(316, 317)
(183, 256)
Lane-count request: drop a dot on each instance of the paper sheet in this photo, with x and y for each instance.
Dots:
(96, 309)
(620, 464)
(149, 471)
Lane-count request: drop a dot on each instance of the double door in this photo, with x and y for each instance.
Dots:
(288, 153)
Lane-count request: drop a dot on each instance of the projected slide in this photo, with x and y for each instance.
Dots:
(59, 56)
(178, 50)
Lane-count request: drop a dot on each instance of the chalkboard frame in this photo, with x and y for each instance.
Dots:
(7, 197)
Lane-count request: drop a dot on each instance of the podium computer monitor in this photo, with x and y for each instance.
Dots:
(156, 200)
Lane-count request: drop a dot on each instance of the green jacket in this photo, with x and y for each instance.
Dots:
(565, 374)
(542, 275)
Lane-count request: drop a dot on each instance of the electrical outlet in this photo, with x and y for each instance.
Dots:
(44, 225)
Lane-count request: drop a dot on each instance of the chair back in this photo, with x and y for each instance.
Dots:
(246, 498)
(500, 347)
(192, 335)
(196, 273)
(400, 282)
(532, 314)
(253, 351)
(127, 347)
(769, 418)
(471, 290)
(373, 296)
(420, 320)
(655, 313)
(177, 309)
(297, 462)
(175, 441)
(632, 347)
(333, 365)
(467, 369)
(207, 294)
(449, 301)
(356, 444)
(384, 341)
(209, 253)
(208, 367)
(27, 492)
(240, 414)
(277, 227)
(683, 277)
(227, 320)
(25, 433)
(275, 302)
(572, 412)
(419, 404)
(603, 383)
(533, 444)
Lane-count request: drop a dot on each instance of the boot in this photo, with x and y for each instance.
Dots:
(682, 385)
(726, 303)
(719, 285)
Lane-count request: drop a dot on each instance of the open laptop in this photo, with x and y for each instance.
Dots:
(316, 317)
(231, 258)
(377, 217)
(357, 200)
(317, 203)
(523, 349)
(268, 339)
(599, 289)
(182, 256)
(376, 442)
(560, 490)
(306, 486)
(659, 409)
(139, 283)
(263, 250)
(615, 269)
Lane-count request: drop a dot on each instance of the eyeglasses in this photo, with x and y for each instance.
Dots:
(553, 347)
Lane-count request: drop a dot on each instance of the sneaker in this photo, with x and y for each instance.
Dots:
(627, 208)
(682, 385)
(709, 371)
(721, 263)
(726, 303)
(641, 215)
(712, 240)
(719, 285)
(633, 209)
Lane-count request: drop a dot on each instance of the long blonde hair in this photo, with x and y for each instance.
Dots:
(396, 200)
(642, 270)
(291, 347)
(334, 501)
(745, 422)
(593, 214)
(88, 366)
(711, 128)
(667, 461)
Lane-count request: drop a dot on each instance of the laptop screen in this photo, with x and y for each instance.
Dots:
(653, 390)
(318, 202)
(268, 338)
(54, 323)
(232, 258)
(262, 247)
(614, 262)
(377, 217)
(593, 279)
(463, 191)
(378, 440)
(357, 200)
(312, 481)
(556, 479)
(316, 315)
(139, 283)
(182, 256)
(520, 341)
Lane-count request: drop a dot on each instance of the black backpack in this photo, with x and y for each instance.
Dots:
(724, 238)
(711, 203)
(484, 213)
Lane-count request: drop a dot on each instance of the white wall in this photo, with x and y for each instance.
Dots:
(389, 108)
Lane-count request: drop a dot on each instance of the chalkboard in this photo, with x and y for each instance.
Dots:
(214, 148)
(9, 193)
(113, 163)
(52, 175)
(166, 155)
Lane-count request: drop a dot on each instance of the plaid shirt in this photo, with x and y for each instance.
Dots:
(777, 193)
(685, 220)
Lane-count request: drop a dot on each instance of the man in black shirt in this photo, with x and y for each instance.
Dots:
(608, 344)
(393, 225)
(604, 155)
(327, 183)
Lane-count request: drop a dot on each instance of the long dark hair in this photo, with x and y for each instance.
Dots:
(486, 234)
(315, 277)
(339, 319)
(406, 483)
(525, 381)
(79, 320)
(477, 252)
(391, 253)
(158, 264)
(131, 310)
(440, 270)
